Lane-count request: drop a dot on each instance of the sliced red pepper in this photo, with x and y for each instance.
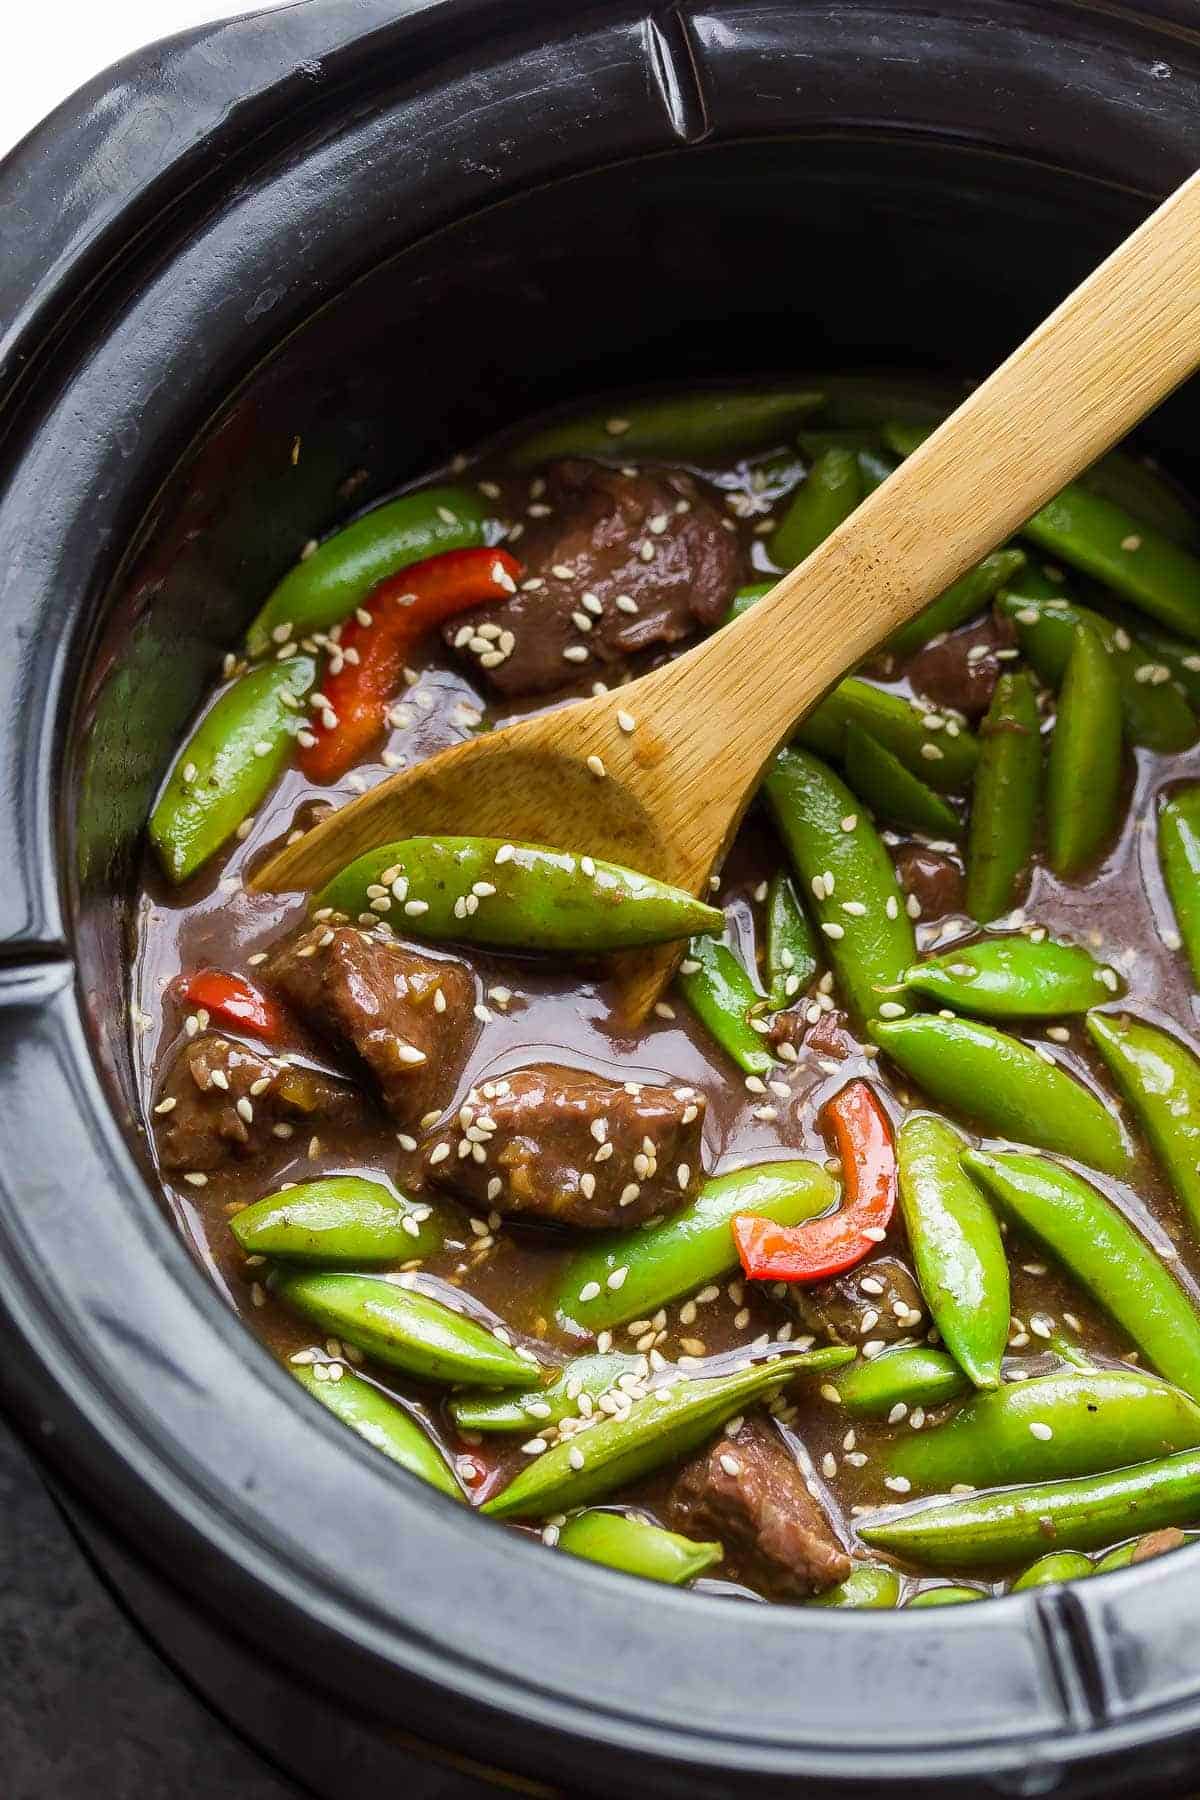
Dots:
(233, 1001)
(828, 1246)
(373, 656)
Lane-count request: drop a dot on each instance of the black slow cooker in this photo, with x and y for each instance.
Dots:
(275, 263)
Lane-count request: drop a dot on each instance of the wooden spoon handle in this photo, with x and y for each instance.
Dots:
(1115, 347)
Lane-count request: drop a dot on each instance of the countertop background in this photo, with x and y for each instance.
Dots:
(87, 1710)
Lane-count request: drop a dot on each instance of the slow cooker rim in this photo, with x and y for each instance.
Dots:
(30, 971)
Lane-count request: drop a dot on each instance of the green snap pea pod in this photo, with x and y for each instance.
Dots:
(1049, 1429)
(228, 765)
(1004, 801)
(626, 1275)
(960, 602)
(911, 1375)
(327, 586)
(874, 467)
(526, 896)
(1128, 555)
(1128, 481)
(959, 1254)
(893, 792)
(1153, 711)
(839, 437)
(1179, 858)
(1060, 1565)
(1099, 1246)
(1004, 1087)
(745, 598)
(830, 493)
(868, 1587)
(662, 1427)
(528, 1411)
(832, 843)
(637, 1548)
(1160, 1078)
(1083, 770)
(1069, 1351)
(722, 995)
(1155, 645)
(1014, 978)
(1017, 1523)
(385, 1425)
(791, 956)
(945, 761)
(337, 1220)
(406, 1329)
(690, 426)
(945, 1596)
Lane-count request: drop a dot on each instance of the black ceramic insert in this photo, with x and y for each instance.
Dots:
(383, 230)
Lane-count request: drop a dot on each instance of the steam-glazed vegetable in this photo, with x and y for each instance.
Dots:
(864, 1273)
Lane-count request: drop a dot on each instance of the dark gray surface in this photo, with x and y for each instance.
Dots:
(87, 1710)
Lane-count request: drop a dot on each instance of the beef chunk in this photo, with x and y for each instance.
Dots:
(861, 1305)
(379, 999)
(827, 1036)
(214, 1083)
(623, 562)
(934, 877)
(748, 1492)
(566, 1145)
(961, 670)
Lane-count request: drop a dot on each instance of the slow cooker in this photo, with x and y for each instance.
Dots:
(274, 263)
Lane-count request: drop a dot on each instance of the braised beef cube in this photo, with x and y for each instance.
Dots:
(961, 671)
(876, 1301)
(222, 1100)
(934, 877)
(408, 1017)
(618, 563)
(566, 1145)
(749, 1493)
(826, 1035)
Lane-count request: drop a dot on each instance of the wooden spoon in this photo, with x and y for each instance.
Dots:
(657, 774)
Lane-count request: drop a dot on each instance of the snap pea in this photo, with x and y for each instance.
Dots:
(1128, 481)
(637, 1548)
(874, 467)
(1099, 1246)
(1060, 1565)
(529, 1411)
(327, 586)
(1014, 978)
(944, 1596)
(229, 764)
(1004, 801)
(945, 760)
(745, 598)
(869, 1586)
(690, 426)
(1155, 645)
(1153, 712)
(1160, 1078)
(1050, 1428)
(1179, 858)
(660, 1428)
(839, 437)
(385, 1425)
(790, 960)
(693, 1246)
(829, 494)
(911, 1375)
(722, 995)
(1085, 1514)
(1004, 1087)
(833, 844)
(406, 1329)
(526, 896)
(959, 1254)
(1083, 770)
(1129, 556)
(960, 602)
(337, 1220)
(1068, 1351)
(893, 792)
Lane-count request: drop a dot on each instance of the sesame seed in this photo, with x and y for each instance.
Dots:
(1132, 542)
(629, 1194)
(932, 752)
(590, 1291)
(832, 929)
(617, 1279)
(1042, 1432)
(625, 603)
(587, 1185)
(616, 427)
(439, 1153)
(891, 1009)
(730, 1464)
(167, 1105)
(829, 1465)
(626, 721)
(194, 1178)
(899, 1484)
(576, 653)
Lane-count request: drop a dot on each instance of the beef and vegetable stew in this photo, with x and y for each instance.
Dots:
(864, 1273)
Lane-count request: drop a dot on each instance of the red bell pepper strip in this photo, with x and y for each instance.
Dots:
(827, 1246)
(372, 657)
(232, 1001)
